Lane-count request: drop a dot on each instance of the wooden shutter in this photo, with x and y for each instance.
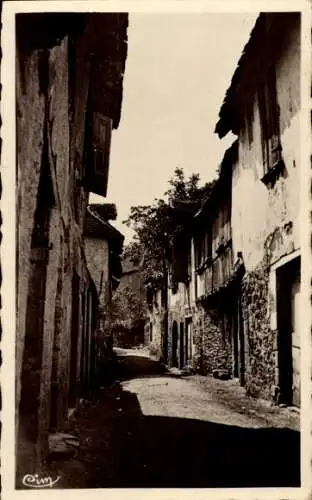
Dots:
(180, 261)
(264, 128)
(198, 249)
(98, 155)
(227, 224)
(269, 111)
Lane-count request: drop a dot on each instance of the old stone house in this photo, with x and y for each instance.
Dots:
(132, 277)
(233, 305)
(169, 298)
(262, 107)
(69, 77)
(156, 325)
(216, 275)
(180, 300)
(132, 291)
(103, 249)
(202, 276)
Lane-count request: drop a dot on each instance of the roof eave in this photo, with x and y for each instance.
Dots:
(265, 41)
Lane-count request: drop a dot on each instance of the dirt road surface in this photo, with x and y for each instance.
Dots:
(159, 429)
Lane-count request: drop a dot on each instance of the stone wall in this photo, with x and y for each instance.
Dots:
(134, 280)
(97, 255)
(30, 128)
(56, 296)
(153, 333)
(261, 340)
(44, 137)
(176, 316)
(147, 332)
(265, 219)
(212, 344)
(42, 84)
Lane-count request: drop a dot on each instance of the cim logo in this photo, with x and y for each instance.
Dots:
(35, 481)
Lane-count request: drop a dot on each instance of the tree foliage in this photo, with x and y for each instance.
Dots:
(127, 310)
(154, 225)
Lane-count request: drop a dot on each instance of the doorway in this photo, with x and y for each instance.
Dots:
(36, 305)
(82, 388)
(238, 340)
(188, 340)
(181, 345)
(32, 357)
(241, 342)
(165, 337)
(74, 341)
(288, 326)
(235, 342)
(174, 344)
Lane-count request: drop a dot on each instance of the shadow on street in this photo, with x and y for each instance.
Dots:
(132, 366)
(121, 447)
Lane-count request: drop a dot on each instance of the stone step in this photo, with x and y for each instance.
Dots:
(62, 444)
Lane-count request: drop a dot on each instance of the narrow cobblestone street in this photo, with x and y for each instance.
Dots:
(158, 429)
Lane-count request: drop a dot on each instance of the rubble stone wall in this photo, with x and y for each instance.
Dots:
(155, 325)
(97, 255)
(176, 315)
(212, 345)
(265, 219)
(260, 369)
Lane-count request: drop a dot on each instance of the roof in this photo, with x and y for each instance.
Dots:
(186, 207)
(97, 227)
(46, 28)
(229, 158)
(109, 51)
(105, 39)
(265, 42)
(106, 211)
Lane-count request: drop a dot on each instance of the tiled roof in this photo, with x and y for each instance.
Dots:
(106, 211)
(97, 227)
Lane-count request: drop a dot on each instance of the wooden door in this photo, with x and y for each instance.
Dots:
(288, 324)
(295, 347)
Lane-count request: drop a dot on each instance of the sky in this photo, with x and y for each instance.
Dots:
(178, 69)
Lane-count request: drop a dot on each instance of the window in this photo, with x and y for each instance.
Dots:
(198, 250)
(203, 249)
(151, 332)
(98, 151)
(164, 296)
(180, 254)
(269, 115)
(189, 260)
(149, 296)
(207, 245)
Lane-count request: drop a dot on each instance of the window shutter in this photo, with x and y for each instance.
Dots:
(98, 154)
(180, 262)
(269, 111)
(264, 127)
(198, 250)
